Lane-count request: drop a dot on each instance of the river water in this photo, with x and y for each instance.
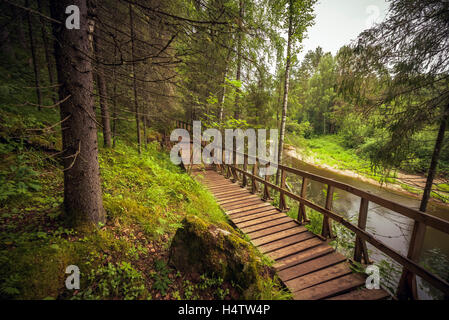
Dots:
(387, 226)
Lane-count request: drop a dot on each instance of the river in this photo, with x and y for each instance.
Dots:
(389, 227)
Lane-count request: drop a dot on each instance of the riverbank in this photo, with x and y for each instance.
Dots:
(326, 153)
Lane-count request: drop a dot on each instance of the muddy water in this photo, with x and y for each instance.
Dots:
(389, 227)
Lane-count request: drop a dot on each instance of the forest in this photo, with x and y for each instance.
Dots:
(90, 91)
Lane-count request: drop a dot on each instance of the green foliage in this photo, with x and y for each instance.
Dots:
(389, 275)
(160, 277)
(271, 290)
(436, 262)
(150, 191)
(114, 281)
(19, 180)
(316, 221)
(353, 132)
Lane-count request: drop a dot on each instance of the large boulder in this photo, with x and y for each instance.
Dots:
(205, 248)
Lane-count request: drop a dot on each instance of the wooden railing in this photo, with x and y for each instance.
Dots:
(411, 267)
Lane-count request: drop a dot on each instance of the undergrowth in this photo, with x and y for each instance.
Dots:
(145, 197)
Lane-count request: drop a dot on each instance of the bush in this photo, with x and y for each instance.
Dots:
(353, 132)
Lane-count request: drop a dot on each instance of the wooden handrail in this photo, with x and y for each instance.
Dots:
(361, 234)
(404, 261)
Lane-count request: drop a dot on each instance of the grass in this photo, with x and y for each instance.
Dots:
(145, 197)
(329, 150)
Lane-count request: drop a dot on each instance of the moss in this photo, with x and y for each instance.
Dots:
(144, 194)
(218, 250)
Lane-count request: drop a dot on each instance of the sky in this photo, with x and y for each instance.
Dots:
(338, 22)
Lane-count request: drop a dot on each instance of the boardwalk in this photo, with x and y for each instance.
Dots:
(307, 265)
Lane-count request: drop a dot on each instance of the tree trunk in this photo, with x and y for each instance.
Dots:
(407, 288)
(286, 85)
(114, 108)
(223, 92)
(51, 77)
(102, 92)
(239, 61)
(222, 100)
(34, 58)
(434, 162)
(82, 189)
(144, 122)
(19, 30)
(114, 94)
(136, 104)
(278, 106)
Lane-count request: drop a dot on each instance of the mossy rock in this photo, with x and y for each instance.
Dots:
(205, 248)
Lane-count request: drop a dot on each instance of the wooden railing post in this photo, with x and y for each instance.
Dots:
(407, 288)
(254, 187)
(245, 168)
(326, 230)
(302, 215)
(266, 191)
(228, 166)
(282, 201)
(360, 244)
(223, 164)
(235, 176)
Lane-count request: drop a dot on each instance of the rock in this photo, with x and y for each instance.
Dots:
(216, 250)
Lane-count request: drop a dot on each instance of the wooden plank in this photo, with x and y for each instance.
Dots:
(217, 183)
(216, 188)
(258, 220)
(362, 294)
(256, 206)
(330, 288)
(256, 216)
(278, 235)
(284, 242)
(261, 233)
(250, 202)
(252, 212)
(266, 225)
(221, 179)
(225, 188)
(327, 226)
(311, 266)
(360, 245)
(408, 288)
(210, 177)
(232, 195)
(304, 256)
(227, 192)
(239, 199)
(231, 206)
(294, 248)
(302, 215)
(318, 277)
